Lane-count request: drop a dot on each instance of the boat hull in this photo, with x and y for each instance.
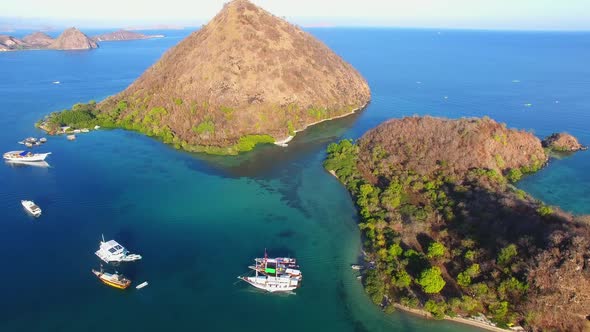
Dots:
(110, 282)
(34, 158)
(270, 286)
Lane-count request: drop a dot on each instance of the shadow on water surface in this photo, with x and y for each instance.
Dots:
(269, 159)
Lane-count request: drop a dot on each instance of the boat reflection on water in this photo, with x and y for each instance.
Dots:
(14, 163)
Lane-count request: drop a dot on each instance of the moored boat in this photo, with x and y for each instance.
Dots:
(71, 137)
(272, 284)
(112, 279)
(25, 156)
(112, 251)
(31, 208)
(274, 274)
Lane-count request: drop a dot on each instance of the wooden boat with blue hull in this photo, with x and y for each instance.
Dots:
(112, 279)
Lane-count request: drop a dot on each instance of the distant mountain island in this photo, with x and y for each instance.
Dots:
(447, 232)
(247, 77)
(70, 39)
(121, 35)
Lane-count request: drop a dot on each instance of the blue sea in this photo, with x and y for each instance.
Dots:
(199, 220)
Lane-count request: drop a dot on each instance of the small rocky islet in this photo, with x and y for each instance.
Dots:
(122, 35)
(448, 232)
(69, 40)
(247, 77)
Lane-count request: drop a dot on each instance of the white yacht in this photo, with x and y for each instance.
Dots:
(31, 207)
(271, 284)
(112, 251)
(25, 156)
(279, 274)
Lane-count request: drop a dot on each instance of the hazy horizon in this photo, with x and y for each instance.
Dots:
(452, 14)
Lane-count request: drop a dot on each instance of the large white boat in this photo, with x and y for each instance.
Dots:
(112, 251)
(274, 274)
(272, 284)
(31, 207)
(25, 156)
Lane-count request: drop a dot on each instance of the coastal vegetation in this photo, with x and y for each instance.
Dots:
(448, 233)
(88, 116)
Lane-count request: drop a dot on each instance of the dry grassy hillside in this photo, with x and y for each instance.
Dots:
(423, 144)
(246, 72)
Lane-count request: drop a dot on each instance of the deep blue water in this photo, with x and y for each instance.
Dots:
(198, 220)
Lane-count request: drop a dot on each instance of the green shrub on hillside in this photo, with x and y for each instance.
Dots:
(431, 280)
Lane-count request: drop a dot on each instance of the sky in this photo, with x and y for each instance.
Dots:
(476, 14)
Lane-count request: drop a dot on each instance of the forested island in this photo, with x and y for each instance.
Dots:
(245, 78)
(449, 234)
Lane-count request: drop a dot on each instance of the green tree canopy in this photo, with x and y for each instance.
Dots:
(431, 280)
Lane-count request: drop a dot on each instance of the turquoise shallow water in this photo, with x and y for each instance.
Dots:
(198, 220)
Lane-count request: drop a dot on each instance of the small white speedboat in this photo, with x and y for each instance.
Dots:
(25, 156)
(31, 208)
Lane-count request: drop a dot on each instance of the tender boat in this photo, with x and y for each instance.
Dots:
(142, 285)
(25, 156)
(71, 137)
(112, 251)
(43, 140)
(31, 208)
(356, 267)
(112, 279)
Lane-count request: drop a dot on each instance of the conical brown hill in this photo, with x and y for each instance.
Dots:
(72, 39)
(246, 72)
